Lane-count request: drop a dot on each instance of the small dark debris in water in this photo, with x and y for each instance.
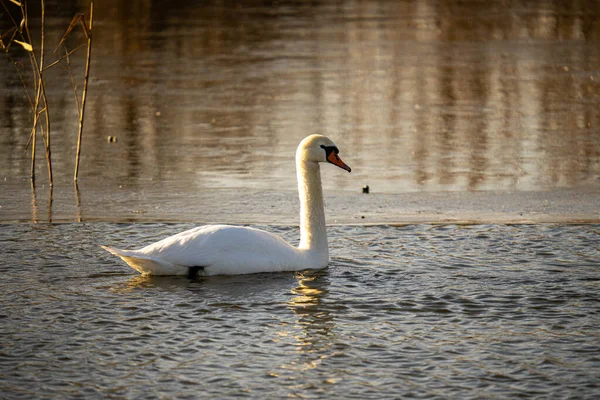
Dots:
(112, 139)
(362, 217)
(366, 189)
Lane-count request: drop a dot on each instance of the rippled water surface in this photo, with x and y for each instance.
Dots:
(420, 311)
(449, 110)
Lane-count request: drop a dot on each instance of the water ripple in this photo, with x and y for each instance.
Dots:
(413, 311)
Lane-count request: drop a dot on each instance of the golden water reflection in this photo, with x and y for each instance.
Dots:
(421, 95)
(314, 327)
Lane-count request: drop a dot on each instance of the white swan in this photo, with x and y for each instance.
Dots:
(232, 250)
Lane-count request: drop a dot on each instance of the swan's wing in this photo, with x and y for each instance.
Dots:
(218, 249)
(225, 249)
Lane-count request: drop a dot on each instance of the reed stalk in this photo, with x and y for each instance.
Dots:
(84, 93)
(40, 92)
(46, 137)
(39, 103)
(72, 78)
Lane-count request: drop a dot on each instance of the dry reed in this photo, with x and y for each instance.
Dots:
(20, 34)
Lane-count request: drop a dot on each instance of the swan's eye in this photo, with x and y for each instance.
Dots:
(329, 150)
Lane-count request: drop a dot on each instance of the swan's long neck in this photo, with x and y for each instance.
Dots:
(313, 232)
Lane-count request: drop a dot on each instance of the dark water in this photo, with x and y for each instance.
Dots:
(402, 312)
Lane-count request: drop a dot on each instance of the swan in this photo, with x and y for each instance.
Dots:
(232, 250)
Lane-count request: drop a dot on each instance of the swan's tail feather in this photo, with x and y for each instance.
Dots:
(112, 250)
(145, 264)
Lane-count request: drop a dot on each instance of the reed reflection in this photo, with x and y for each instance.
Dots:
(34, 204)
(35, 218)
(50, 201)
(77, 202)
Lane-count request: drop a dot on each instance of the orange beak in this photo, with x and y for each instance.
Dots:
(336, 160)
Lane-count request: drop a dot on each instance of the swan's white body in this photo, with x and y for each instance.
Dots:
(232, 250)
(221, 250)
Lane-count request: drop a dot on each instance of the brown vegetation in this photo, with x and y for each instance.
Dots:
(20, 34)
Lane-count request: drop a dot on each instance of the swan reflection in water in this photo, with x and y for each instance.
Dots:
(315, 320)
(228, 288)
(306, 332)
(314, 327)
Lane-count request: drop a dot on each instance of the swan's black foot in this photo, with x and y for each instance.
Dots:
(193, 272)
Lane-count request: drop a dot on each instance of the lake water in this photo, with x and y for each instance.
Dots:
(418, 311)
(479, 118)
(419, 96)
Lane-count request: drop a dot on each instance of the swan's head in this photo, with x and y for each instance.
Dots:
(318, 148)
